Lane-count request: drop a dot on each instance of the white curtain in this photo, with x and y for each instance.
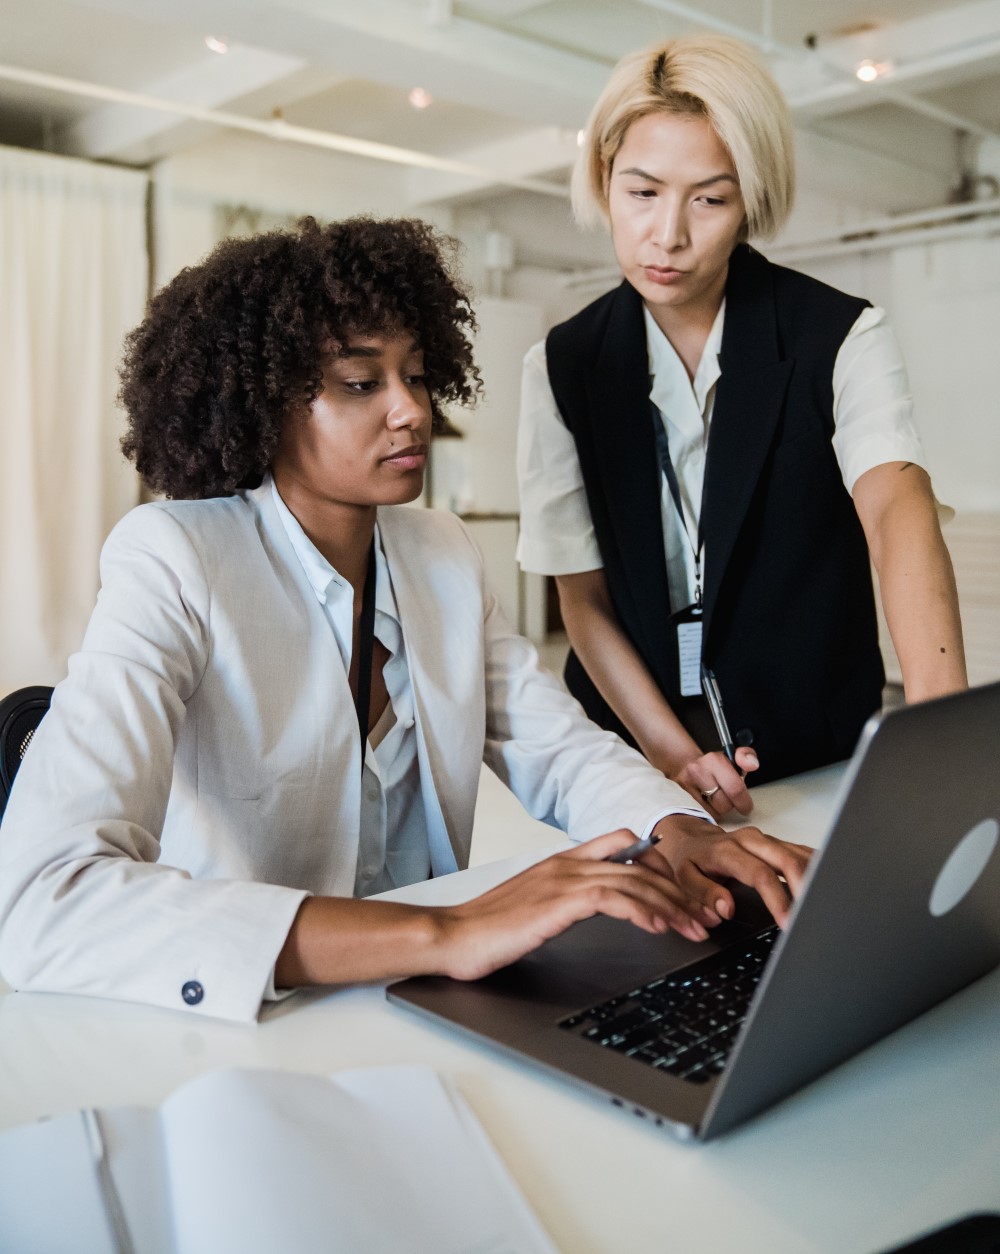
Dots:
(73, 276)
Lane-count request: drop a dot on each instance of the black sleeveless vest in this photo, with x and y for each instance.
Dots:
(789, 613)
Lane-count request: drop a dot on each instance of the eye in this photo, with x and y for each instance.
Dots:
(642, 193)
(360, 387)
(712, 201)
(417, 380)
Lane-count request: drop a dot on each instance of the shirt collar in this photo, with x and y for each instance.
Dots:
(326, 580)
(665, 364)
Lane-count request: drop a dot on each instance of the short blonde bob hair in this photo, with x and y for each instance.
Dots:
(707, 76)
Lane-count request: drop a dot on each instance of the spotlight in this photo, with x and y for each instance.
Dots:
(216, 45)
(868, 71)
(419, 98)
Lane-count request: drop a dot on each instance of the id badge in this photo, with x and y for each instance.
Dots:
(687, 623)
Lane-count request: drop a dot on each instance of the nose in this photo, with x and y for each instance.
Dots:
(409, 406)
(671, 226)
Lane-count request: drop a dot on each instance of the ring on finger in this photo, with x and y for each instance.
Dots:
(707, 796)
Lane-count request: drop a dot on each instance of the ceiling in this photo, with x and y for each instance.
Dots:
(511, 80)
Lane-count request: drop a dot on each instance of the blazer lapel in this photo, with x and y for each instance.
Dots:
(748, 402)
(625, 442)
(446, 676)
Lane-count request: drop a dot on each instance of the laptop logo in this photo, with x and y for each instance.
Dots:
(963, 866)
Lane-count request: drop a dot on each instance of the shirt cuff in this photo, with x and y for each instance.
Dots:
(276, 994)
(694, 812)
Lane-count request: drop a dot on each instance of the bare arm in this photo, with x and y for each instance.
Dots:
(341, 941)
(621, 677)
(897, 510)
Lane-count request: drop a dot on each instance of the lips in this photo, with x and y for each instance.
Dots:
(410, 458)
(663, 274)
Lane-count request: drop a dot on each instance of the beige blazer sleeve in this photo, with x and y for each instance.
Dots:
(85, 904)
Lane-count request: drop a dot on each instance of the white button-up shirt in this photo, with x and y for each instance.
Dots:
(873, 424)
(393, 849)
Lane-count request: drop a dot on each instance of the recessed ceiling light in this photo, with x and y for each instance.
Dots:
(216, 45)
(419, 98)
(868, 71)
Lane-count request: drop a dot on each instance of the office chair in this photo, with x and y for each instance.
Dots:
(20, 714)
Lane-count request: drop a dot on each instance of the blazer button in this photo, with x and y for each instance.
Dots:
(192, 992)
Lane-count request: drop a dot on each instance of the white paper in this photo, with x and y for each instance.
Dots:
(372, 1161)
(378, 1161)
(50, 1193)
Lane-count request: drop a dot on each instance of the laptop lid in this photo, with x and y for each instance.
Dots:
(900, 909)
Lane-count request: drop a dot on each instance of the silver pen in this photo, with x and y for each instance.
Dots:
(109, 1193)
(710, 688)
(629, 855)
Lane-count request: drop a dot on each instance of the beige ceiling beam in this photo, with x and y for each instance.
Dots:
(274, 128)
(822, 81)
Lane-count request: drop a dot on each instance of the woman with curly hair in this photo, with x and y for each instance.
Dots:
(290, 681)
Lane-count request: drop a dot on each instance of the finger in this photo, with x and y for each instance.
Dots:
(721, 777)
(727, 855)
(582, 872)
(662, 899)
(746, 759)
(700, 904)
(716, 901)
(757, 875)
(718, 801)
(790, 860)
(601, 847)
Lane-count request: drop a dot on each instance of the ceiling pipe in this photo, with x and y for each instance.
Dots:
(767, 44)
(278, 128)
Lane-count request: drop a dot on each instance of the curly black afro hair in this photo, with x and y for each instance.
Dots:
(234, 345)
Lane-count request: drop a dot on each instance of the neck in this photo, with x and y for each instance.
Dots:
(689, 327)
(343, 533)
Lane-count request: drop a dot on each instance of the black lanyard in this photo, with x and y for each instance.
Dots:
(670, 474)
(366, 644)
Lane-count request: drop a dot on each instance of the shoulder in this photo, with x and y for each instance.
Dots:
(432, 532)
(185, 523)
(793, 287)
(590, 324)
(188, 542)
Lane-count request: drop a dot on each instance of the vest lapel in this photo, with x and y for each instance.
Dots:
(625, 443)
(748, 402)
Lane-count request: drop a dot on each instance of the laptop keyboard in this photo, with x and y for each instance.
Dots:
(684, 1022)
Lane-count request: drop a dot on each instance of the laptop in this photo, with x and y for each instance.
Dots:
(900, 909)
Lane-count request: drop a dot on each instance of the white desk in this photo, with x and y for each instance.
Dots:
(896, 1141)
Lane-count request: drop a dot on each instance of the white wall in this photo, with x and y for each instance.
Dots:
(943, 300)
(280, 180)
(946, 310)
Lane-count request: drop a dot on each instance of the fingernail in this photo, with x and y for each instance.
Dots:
(752, 761)
(697, 932)
(709, 916)
(724, 908)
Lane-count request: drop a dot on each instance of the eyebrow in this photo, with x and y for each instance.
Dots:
(636, 172)
(369, 350)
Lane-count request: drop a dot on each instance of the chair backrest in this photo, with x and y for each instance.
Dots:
(20, 714)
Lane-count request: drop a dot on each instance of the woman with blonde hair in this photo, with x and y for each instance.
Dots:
(712, 454)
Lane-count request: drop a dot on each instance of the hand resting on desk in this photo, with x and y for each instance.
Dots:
(714, 782)
(336, 940)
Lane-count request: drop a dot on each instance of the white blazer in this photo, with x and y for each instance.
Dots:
(199, 771)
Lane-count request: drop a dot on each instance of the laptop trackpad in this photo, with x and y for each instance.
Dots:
(601, 957)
